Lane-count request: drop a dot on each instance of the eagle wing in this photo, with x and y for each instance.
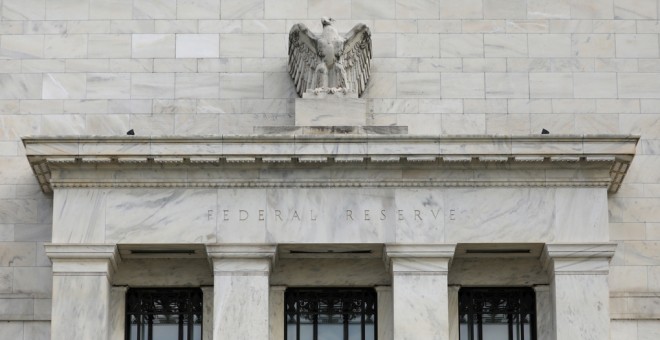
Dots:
(356, 57)
(303, 57)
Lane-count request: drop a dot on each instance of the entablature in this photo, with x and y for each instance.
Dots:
(336, 160)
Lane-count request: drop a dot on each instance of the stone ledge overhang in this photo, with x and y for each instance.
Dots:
(609, 154)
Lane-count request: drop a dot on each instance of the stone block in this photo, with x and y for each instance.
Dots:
(11, 329)
(64, 86)
(507, 85)
(549, 9)
(198, 9)
(505, 9)
(418, 85)
(242, 45)
(639, 85)
(108, 85)
(436, 106)
(113, 9)
(337, 9)
(285, 9)
(505, 45)
(551, 85)
(549, 45)
(33, 280)
(245, 9)
(196, 124)
(440, 65)
(595, 85)
(65, 46)
(13, 254)
(462, 85)
(373, 9)
(24, 9)
(153, 46)
(593, 45)
(417, 9)
(420, 123)
(418, 45)
(109, 46)
(466, 9)
(22, 46)
(197, 85)
(37, 330)
(461, 45)
(67, 10)
(241, 85)
(637, 46)
(635, 9)
(154, 9)
(592, 9)
(484, 65)
(439, 26)
(330, 110)
(463, 124)
(485, 105)
(197, 46)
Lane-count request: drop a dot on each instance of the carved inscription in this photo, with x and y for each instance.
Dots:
(349, 215)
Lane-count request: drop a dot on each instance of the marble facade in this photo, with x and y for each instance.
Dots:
(204, 84)
(253, 227)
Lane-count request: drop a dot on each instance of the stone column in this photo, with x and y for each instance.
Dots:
(419, 290)
(544, 313)
(579, 289)
(454, 326)
(276, 305)
(241, 290)
(384, 303)
(81, 290)
(117, 313)
(207, 320)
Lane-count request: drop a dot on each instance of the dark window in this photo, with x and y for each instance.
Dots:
(164, 314)
(497, 314)
(330, 314)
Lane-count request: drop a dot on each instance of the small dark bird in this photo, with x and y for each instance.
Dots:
(543, 132)
(130, 132)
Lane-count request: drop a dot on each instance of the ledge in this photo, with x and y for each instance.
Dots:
(611, 153)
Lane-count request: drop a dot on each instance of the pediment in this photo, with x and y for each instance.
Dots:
(330, 161)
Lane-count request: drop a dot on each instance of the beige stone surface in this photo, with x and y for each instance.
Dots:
(192, 67)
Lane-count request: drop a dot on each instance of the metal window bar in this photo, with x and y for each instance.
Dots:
(510, 307)
(146, 306)
(330, 306)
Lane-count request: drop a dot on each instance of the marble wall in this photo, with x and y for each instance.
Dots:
(80, 67)
(369, 215)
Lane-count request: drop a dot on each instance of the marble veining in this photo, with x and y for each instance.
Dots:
(160, 216)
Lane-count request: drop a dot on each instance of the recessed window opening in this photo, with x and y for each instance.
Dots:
(164, 314)
(497, 314)
(330, 314)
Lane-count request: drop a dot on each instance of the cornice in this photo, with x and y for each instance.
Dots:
(372, 152)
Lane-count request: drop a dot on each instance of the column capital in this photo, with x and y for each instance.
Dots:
(241, 251)
(83, 259)
(419, 259)
(420, 250)
(232, 259)
(578, 258)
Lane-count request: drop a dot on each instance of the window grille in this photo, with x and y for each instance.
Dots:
(497, 314)
(332, 314)
(164, 314)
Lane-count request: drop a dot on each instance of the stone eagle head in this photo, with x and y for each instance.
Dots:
(325, 21)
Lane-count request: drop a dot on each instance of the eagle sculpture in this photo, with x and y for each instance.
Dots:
(329, 62)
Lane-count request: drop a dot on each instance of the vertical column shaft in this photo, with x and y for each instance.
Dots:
(81, 290)
(580, 289)
(419, 290)
(241, 291)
